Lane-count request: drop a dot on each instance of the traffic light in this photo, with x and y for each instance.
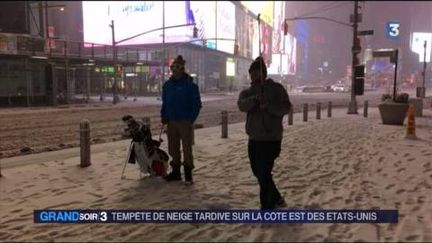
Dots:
(285, 28)
(195, 32)
(236, 49)
(359, 74)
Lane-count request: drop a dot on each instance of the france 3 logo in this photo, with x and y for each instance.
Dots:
(392, 30)
(70, 216)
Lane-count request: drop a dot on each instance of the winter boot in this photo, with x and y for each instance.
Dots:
(188, 176)
(281, 204)
(175, 174)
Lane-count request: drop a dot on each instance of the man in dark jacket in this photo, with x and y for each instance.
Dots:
(266, 102)
(181, 104)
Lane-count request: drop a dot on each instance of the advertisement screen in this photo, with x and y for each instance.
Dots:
(279, 64)
(8, 44)
(133, 18)
(248, 35)
(225, 26)
(230, 67)
(204, 15)
(244, 32)
(291, 50)
(266, 49)
(285, 63)
(255, 42)
(417, 45)
(265, 8)
(279, 17)
(266, 42)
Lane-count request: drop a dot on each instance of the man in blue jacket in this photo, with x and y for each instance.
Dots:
(181, 104)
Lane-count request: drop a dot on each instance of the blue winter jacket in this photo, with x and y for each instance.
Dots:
(181, 99)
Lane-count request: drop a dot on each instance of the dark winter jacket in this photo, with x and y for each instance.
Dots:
(181, 100)
(265, 125)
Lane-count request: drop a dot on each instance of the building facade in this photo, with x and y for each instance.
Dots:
(64, 53)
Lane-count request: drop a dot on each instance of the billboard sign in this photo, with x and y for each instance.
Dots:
(266, 42)
(132, 18)
(265, 8)
(417, 45)
(8, 44)
(279, 17)
(279, 64)
(266, 49)
(285, 63)
(230, 67)
(204, 15)
(291, 50)
(225, 26)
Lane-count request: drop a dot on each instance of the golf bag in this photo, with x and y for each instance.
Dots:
(144, 150)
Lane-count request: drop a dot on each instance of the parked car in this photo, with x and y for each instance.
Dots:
(339, 88)
(311, 89)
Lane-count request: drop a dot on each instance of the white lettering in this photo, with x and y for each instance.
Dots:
(179, 216)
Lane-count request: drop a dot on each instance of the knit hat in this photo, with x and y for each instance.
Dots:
(259, 64)
(179, 60)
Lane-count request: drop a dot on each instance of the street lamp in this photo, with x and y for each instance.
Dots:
(116, 69)
(423, 89)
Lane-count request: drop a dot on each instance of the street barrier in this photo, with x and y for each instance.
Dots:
(365, 108)
(224, 116)
(85, 143)
(305, 112)
(290, 117)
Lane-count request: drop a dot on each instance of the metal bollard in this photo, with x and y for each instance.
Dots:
(411, 133)
(290, 117)
(224, 124)
(85, 143)
(318, 111)
(365, 108)
(305, 112)
(329, 109)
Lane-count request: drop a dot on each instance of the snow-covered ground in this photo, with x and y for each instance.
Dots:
(344, 162)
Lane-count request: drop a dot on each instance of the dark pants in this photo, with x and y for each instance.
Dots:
(262, 155)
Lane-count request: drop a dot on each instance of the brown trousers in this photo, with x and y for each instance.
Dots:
(180, 131)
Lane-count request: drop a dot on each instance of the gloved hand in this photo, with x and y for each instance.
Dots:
(261, 101)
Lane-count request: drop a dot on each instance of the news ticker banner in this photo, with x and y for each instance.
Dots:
(216, 216)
